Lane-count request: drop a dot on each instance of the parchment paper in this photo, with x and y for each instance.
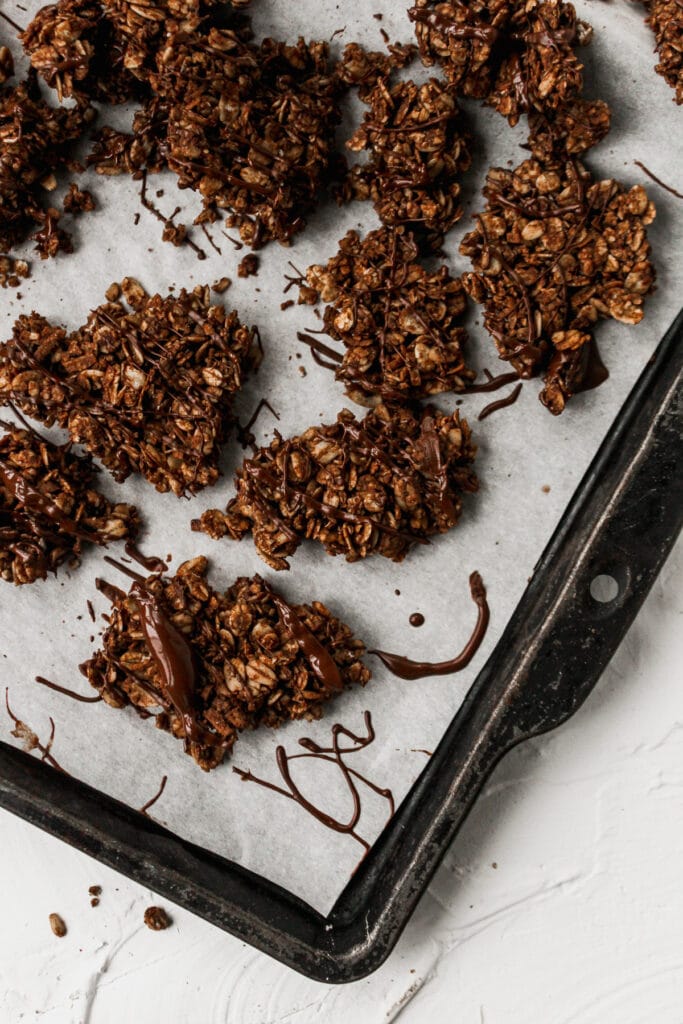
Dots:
(45, 628)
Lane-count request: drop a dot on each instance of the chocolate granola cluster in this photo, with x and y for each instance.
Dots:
(148, 389)
(49, 507)
(36, 141)
(521, 59)
(555, 251)
(249, 126)
(74, 48)
(375, 486)
(665, 18)
(400, 324)
(418, 148)
(254, 659)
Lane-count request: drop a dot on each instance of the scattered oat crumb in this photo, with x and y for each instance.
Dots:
(494, 866)
(221, 285)
(11, 272)
(302, 371)
(77, 201)
(248, 266)
(156, 918)
(113, 292)
(287, 304)
(546, 488)
(57, 925)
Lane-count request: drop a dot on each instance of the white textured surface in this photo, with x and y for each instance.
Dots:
(580, 921)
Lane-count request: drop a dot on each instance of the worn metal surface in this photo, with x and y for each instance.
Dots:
(622, 522)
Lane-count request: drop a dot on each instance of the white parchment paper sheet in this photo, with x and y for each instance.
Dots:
(523, 451)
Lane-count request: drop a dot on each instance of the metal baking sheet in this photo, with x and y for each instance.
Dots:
(203, 857)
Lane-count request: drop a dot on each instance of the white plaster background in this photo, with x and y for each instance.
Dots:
(579, 922)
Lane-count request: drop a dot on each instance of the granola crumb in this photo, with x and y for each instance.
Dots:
(248, 266)
(157, 919)
(57, 925)
(221, 285)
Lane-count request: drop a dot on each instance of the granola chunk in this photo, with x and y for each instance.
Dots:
(362, 69)
(400, 324)
(35, 141)
(418, 147)
(251, 128)
(49, 507)
(147, 389)
(77, 201)
(256, 660)
(521, 59)
(380, 485)
(554, 251)
(73, 46)
(462, 38)
(665, 18)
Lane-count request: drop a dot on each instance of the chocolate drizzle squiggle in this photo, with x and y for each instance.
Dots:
(502, 403)
(492, 383)
(149, 562)
(320, 659)
(335, 755)
(405, 668)
(67, 693)
(172, 656)
(658, 181)
(150, 803)
(111, 592)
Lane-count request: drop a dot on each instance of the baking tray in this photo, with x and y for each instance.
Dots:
(621, 522)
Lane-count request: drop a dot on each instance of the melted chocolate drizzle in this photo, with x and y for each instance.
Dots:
(150, 803)
(111, 592)
(320, 659)
(658, 181)
(320, 349)
(130, 573)
(492, 383)
(406, 668)
(172, 656)
(502, 403)
(68, 693)
(595, 372)
(335, 755)
(149, 562)
(434, 469)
